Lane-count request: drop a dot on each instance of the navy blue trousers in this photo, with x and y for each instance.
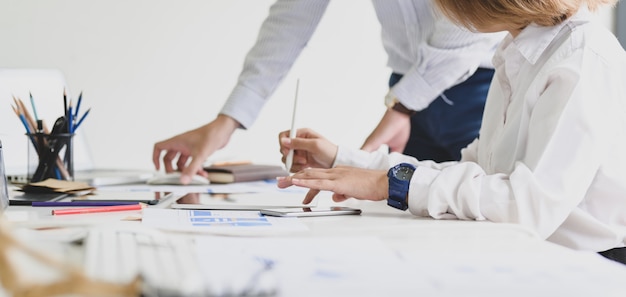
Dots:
(440, 131)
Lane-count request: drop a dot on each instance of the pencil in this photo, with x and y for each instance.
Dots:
(80, 98)
(69, 211)
(81, 119)
(32, 102)
(70, 118)
(64, 103)
(32, 125)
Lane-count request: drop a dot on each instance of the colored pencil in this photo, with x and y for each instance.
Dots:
(69, 211)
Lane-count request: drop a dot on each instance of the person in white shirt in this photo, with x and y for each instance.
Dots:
(552, 148)
(440, 70)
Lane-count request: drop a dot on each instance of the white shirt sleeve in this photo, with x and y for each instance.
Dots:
(283, 35)
(378, 160)
(449, 56)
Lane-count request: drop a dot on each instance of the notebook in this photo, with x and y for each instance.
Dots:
(47, 87)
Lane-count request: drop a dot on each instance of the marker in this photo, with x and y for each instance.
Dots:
(68, 211)
(292, 132)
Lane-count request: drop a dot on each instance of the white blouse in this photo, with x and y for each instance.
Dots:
(552, 149)
(431, 52)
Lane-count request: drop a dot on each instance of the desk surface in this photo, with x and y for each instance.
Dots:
(439, 257)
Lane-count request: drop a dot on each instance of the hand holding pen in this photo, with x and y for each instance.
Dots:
(311, 149)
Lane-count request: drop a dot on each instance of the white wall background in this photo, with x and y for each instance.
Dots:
(150, 69)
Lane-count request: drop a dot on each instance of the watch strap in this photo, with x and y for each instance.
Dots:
(399, 107)
(399, 185)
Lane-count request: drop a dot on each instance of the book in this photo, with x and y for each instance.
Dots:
(223, 174)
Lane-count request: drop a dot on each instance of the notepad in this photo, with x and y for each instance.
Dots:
(243, 173)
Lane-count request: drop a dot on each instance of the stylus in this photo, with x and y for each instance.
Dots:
(292, 132)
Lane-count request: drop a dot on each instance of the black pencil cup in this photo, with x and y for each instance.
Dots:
(50, 156)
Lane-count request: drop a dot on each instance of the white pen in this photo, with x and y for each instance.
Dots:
(292, 132)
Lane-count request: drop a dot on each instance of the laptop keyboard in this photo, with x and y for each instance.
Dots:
(167, 265)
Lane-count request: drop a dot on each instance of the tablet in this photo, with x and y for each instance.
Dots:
(147, 197)
(311, 211)
(240, 201)
(28, 198)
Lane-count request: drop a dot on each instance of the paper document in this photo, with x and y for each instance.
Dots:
(217, 221)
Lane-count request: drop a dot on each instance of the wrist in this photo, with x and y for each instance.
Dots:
(393, 103)
(227, 122)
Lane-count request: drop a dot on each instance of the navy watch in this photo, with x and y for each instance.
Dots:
(399, 180)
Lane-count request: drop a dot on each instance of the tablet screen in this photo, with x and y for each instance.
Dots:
(147, 197)
(240, 201)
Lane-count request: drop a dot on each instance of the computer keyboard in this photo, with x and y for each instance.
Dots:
(168, 265)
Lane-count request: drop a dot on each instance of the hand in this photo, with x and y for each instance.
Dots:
(193, 147)
(393, 130)
(344, 182)
(310, 149)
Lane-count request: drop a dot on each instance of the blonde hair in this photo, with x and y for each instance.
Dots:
(517, 13)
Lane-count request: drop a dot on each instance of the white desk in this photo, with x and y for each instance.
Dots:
(444, 258)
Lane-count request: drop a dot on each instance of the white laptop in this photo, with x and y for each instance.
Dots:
(47, 87)
(4, 188)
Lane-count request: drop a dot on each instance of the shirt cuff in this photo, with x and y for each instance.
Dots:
(419, 191)
(243, 105)
(360, 158)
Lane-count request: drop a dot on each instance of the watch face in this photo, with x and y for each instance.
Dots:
(404, 173)
(390, 100)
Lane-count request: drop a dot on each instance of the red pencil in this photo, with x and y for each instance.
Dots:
(68, 211)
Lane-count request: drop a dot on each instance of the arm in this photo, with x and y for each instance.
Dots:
(313, 150)
(566, 146)
(444, 56)
(282, 37)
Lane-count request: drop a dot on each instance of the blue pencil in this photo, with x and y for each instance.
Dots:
(80, 98)
(82, 118)
(32, 102)
(70, 119)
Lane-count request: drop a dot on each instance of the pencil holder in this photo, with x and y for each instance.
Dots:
(50, 156)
